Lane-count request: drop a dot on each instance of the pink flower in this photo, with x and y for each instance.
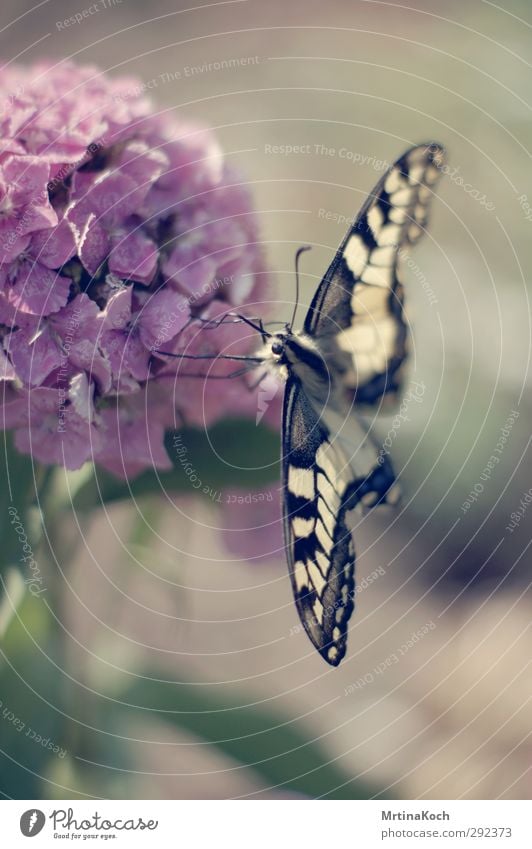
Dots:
(123, 234)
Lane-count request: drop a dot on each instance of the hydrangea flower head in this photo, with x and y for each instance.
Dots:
(122, 232)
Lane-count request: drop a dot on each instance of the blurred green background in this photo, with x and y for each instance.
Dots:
(155, 663)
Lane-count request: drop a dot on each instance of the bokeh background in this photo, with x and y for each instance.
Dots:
(161, 662)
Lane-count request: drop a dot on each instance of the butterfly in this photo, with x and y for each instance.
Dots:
(350, 354)
(349, 357)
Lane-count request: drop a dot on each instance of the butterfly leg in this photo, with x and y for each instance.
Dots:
(238, 373)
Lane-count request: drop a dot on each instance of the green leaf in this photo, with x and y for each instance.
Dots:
(234, 453)
(49, 723)
(31, 723)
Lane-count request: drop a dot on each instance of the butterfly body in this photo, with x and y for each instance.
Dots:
(348, 357)
(298, 357)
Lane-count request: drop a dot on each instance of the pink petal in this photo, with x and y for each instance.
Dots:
(81, 395)
(134, 257)
(55, 246)
(79, 326)
(28, 178)
(10, 316)
(10, 146)
(77, 319)
(14, 407)
(126, 353)
(239, 287)
(142, 164)
(12, 243)
(162, 317)
(113, 197)
(37, 218)
(7, 372)
(38, 290)
(196, 279)
(33, 360)
(60, 438)
(132, 443)
(91, 239)
(117, 312)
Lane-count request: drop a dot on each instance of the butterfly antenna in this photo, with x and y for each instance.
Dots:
(298, 254)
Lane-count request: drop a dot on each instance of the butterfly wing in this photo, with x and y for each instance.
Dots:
(356, 315)
(356, 320)
(322, 481)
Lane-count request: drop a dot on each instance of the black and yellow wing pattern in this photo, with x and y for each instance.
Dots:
(357, 312)
(357, 323)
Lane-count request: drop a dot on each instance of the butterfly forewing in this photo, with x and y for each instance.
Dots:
(357, 312)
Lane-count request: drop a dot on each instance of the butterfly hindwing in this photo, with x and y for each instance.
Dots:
(321, 484)
(356, 315)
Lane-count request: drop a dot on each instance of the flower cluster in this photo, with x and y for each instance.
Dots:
(122, 233)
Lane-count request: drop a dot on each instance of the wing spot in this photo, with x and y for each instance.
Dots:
(318, 609)
(322, 503)
(322, 561)
(420, 212)
(375, 276)
(414, 231)
(370, 300)
(327, 518)
(375, 220)
(363, 339)
(389, 235)
(370, 499)
(300, 576)
(327, 491)
(431, 175)
(382, 256)
(356, 255)
(324, 462)
(302, 527)
(398, 215)
(364, 367)
(316, 577)
(394, 181)
(401, 198)
(393, 495)
(415, 175)
(323, 537)
(301, 482)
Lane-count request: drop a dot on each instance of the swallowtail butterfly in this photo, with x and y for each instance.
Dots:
(348, 357)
